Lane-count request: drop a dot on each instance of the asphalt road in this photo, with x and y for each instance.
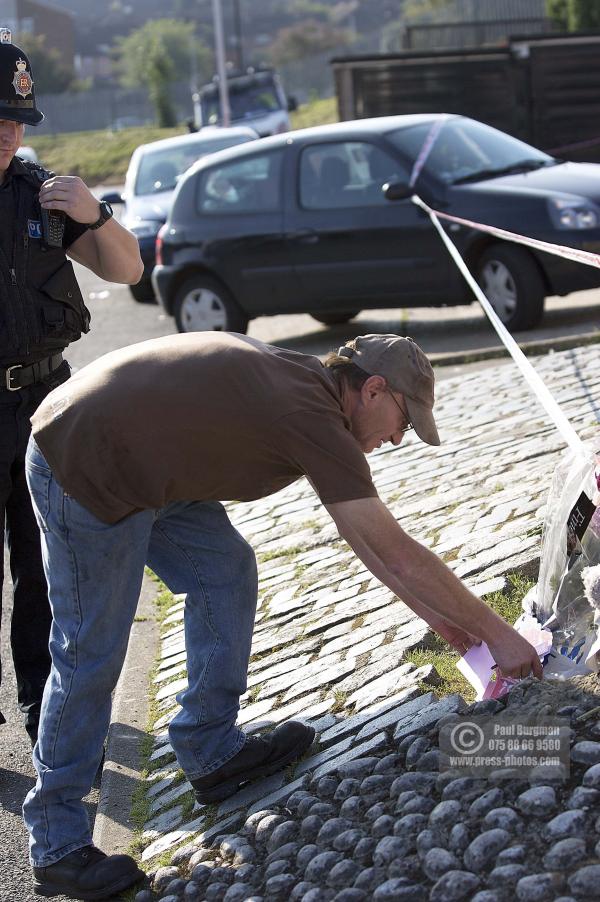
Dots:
(116, 321)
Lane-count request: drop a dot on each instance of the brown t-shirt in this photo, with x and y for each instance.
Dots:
(206, 416)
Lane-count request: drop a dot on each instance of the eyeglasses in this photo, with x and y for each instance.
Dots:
(409, 425)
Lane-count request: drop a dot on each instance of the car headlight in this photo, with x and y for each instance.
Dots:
(573, 213)
(145, 229)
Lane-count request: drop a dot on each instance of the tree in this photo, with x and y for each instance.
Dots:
(50, 73)
(574, 15)
(158, 54)
(307, 39)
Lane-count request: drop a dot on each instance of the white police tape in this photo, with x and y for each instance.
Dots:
(529, 373)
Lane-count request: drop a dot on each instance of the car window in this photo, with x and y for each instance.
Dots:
(160, 169)
(251, 185)
(346, 174)
(464, 147)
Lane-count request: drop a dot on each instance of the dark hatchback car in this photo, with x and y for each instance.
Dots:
(299, 223)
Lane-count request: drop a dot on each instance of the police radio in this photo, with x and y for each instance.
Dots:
(53, 227)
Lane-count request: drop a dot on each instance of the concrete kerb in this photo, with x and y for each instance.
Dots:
(529, 348)
(113, 830)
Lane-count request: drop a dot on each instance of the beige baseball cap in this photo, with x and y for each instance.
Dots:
(406, 369)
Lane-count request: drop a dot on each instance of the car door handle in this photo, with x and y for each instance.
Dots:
(304, 236)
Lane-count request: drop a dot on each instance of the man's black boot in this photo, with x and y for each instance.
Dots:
(260, 757)
(87, 874)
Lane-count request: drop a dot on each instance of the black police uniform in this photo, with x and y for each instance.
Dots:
(41, 311)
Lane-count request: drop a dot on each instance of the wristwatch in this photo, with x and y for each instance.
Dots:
(106, 212)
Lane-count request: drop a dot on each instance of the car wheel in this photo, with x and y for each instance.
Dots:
(143, 292)
(513, 284)
(335, 319)
(204, 305)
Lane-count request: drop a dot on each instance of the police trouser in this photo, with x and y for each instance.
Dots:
(31, 618)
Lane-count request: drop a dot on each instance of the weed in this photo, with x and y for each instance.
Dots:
(340, 699)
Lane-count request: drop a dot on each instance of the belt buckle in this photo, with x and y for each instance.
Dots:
(9, 369)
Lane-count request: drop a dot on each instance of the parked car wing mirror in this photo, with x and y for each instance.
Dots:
(397, 191)
(112, 197)
(292, 104)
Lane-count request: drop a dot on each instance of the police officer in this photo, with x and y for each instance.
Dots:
(43, 218)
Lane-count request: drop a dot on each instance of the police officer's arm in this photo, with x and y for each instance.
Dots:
(422, 581)
(111, 251)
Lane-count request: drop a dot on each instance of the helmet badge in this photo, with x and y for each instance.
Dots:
(5, 36)
(22, 81)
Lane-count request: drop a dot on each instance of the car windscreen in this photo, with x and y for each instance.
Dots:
(160, 169)
(466, 150)
(244, 103)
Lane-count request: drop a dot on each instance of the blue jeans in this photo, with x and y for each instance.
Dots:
(94, 572)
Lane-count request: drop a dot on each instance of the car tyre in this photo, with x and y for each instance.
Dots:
(143, 292)
(335, 319)
(203, 304)
(513, 284)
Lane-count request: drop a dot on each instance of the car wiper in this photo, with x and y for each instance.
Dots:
(482, 174)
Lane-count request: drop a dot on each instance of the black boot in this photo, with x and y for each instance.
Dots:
(260, 757)
(87, 874)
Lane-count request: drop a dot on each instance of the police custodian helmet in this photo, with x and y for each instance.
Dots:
(17, 97)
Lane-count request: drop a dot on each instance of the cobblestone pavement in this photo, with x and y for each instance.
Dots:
(367, 814)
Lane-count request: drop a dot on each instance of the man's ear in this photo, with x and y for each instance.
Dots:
(373, 387)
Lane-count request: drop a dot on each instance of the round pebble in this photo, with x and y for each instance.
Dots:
(480, 852)
(319, 867)
(420, 782)
(375, 811)
(426, 840)
(279, 887)
(387, 764)
(512, 855)
(201, 874)
(410, 823)
(363, 850)
(568, 823)
(591, 777)
(350, 894)
(163, 877)
(323, 809)
(295, 799)
(370, 878)
(266, 826)
(388, 848)
(454, 886)
(305, 804)
(582, 797)
(538, 887)
(464, 789)
(505, 818)
(352, 808)
(539, 801)
(347, 840)
(377, 786)
(417, 747)
(399, 890)
(585, 883)
(383, 826)
(175, 887)
(445, 814)
(332, 828)
(438, 862)
(238, 892)
(288, 851)
(586, 752)
(343, 874)
(282, 834)
(327, 786)
(346, 788)
(507, 874)
(459, 838)
(279, 866)
(310, 826)
(305, 855)
(565, 853)
(253, 821)
(215, 892)
(493, 798)
(418, 805)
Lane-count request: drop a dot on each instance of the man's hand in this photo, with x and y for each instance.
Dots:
(515, 656)
(71, 195)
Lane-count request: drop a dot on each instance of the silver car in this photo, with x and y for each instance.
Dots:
(152, 176)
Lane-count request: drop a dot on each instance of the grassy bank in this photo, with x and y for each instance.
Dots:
(103, 156)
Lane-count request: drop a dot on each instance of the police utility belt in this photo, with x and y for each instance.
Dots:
(13, 378)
